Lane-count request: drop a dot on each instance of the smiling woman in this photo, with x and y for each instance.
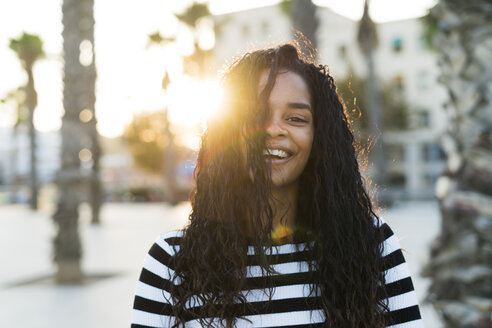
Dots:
(289, 127)
(282, 232)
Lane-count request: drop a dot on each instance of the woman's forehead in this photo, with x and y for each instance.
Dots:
(265, 74)
(289, 81)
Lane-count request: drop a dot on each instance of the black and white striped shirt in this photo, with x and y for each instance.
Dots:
(290, 298)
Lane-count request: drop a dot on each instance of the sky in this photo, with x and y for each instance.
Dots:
(129, 73)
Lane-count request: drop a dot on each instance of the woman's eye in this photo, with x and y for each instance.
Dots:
(297, 119)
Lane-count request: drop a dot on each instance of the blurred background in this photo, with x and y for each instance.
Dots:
(102, 104)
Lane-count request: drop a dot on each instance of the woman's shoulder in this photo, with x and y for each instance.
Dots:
(385, 228)
(172, 237)
(391, 251)
(391, 248)
(166, 245)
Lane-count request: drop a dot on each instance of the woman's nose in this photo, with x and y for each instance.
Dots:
(274, 128)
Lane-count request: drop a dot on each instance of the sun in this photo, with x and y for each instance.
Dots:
(191, 101)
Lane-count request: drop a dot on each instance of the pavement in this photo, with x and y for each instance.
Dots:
(113, 255)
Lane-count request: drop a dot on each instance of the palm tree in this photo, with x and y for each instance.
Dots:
(368, 40)
(302, 14)
(196, 63)
(78, 96)
(29, 48)
(96, 194)
(18, 97)
(461, 257)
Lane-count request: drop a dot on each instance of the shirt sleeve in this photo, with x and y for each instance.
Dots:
(152, 306)
(402, 299)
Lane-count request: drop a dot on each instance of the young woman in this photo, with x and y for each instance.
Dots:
(282, 232)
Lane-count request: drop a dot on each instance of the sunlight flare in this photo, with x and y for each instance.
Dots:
(192, 102)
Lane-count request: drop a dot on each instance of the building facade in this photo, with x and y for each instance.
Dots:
(402, 57)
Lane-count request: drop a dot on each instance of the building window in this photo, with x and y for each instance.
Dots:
(399, 82)
(423, 80)
(423, 43)
(245, 30)
(432, 152)
(342, 51)
(265, 27)
(397, 44)
(423, 119)
(395, 152)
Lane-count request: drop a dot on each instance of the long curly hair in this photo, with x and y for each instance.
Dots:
(231, 204)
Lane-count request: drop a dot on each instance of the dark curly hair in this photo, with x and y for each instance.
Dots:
(231, 204)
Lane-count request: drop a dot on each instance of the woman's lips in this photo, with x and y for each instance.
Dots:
(277, 160)
(277, 155)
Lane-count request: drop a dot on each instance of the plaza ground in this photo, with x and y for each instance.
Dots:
(113, 255)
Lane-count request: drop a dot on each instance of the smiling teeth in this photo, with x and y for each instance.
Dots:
(275, 152)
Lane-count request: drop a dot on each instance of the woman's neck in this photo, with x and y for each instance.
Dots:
(285, 205)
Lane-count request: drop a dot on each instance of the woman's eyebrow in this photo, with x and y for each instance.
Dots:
(297, 105)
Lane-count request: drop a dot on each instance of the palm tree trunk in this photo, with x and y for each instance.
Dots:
(31, 102)
(461, 258)
(13, 165)
(375, 109)
(169, 164)
(95, 188)
(76, 98)
(368, 40)
(303, 17)
(89, 79)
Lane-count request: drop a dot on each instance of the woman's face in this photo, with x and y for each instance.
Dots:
(289, 127)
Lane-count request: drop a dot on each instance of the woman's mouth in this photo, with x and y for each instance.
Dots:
(276, 155)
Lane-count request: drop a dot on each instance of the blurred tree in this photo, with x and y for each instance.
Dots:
(157, 38)
(394, 104)
(431, 28)
(151, 144)
(148, 135)
(461, 257)
(29, 48)
(193, 13)
(194, 16)
(77, 143)
(367, 39)
(197, 18)
(302, 14)
(18, 97)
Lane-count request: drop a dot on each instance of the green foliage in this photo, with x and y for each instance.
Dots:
(430, 24)
(395, 107)
(150, 141)
(195, 64)
(28, 47)
(192, 14)
(285, 6)
(157, 38)
(18, 98)
(148, 136)
(352, 90)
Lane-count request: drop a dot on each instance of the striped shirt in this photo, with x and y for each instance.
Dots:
(289, 301)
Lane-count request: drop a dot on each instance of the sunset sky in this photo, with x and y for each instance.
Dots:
(129, 74)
